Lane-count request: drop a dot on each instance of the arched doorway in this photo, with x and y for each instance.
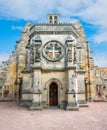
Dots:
(53, 94)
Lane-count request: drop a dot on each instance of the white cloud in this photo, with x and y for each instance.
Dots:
(25, 9)
(93, 11)
(96, 14)
(101, 59)
(17, 27)
(100, 37)
(3, 57)
(70, 8)
(35, 9)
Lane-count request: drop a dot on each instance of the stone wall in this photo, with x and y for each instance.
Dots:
(11, 70)
(57, 77)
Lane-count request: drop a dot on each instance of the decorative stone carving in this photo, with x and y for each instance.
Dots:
(69, 52)
(53, 51)
(36, 43)
(62, 28)
(37, 53)
(75, 58)
(32, 54)
(80, 58)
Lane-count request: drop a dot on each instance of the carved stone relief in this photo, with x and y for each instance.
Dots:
(75, 58)
(69, 52)
(53, 51)
(37, 52)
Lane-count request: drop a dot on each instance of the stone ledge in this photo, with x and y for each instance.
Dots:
(37, 91)
(27, 70)
(97, 100)
(72, 106)
(80, 71)
(83, 105)
(71, 92)
(54, 69)
(76, 108)
(70, 66)
(81, 92)
(37, 67)
(29, 91)
(36, 106)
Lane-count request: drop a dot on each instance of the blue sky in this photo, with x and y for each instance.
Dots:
(14, 14)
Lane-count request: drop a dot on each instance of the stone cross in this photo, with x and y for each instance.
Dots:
(53, 51)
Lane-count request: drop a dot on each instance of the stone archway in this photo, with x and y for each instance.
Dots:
(52, 82)
(53, 94)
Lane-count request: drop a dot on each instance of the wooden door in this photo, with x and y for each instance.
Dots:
(53, 94)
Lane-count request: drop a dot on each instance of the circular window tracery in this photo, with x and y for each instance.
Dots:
(53, 51)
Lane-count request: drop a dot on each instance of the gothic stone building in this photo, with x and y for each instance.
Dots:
(52, 65)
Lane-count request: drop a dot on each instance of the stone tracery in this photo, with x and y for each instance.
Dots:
(53, 51)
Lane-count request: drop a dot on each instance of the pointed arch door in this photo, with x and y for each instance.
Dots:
(53, 94)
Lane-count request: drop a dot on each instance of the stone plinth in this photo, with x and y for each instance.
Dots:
(72, 103)
(36, 103)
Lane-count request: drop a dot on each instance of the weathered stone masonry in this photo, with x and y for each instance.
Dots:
(52, 65)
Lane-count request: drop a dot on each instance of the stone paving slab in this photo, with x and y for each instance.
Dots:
(13, 117)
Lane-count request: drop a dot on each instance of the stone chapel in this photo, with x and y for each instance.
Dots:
(53, 75)
(52, 66)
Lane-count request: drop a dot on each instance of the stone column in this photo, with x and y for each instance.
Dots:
(36, 101)
(26, 99)
(37, 80)
(27, 80)
(81, 88)
(71, 93)
(36, 98)
(70, 55)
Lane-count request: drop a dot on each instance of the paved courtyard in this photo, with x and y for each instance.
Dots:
(13, 117)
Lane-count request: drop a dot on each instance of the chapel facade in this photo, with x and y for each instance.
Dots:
(52, 65)
(53, 75)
